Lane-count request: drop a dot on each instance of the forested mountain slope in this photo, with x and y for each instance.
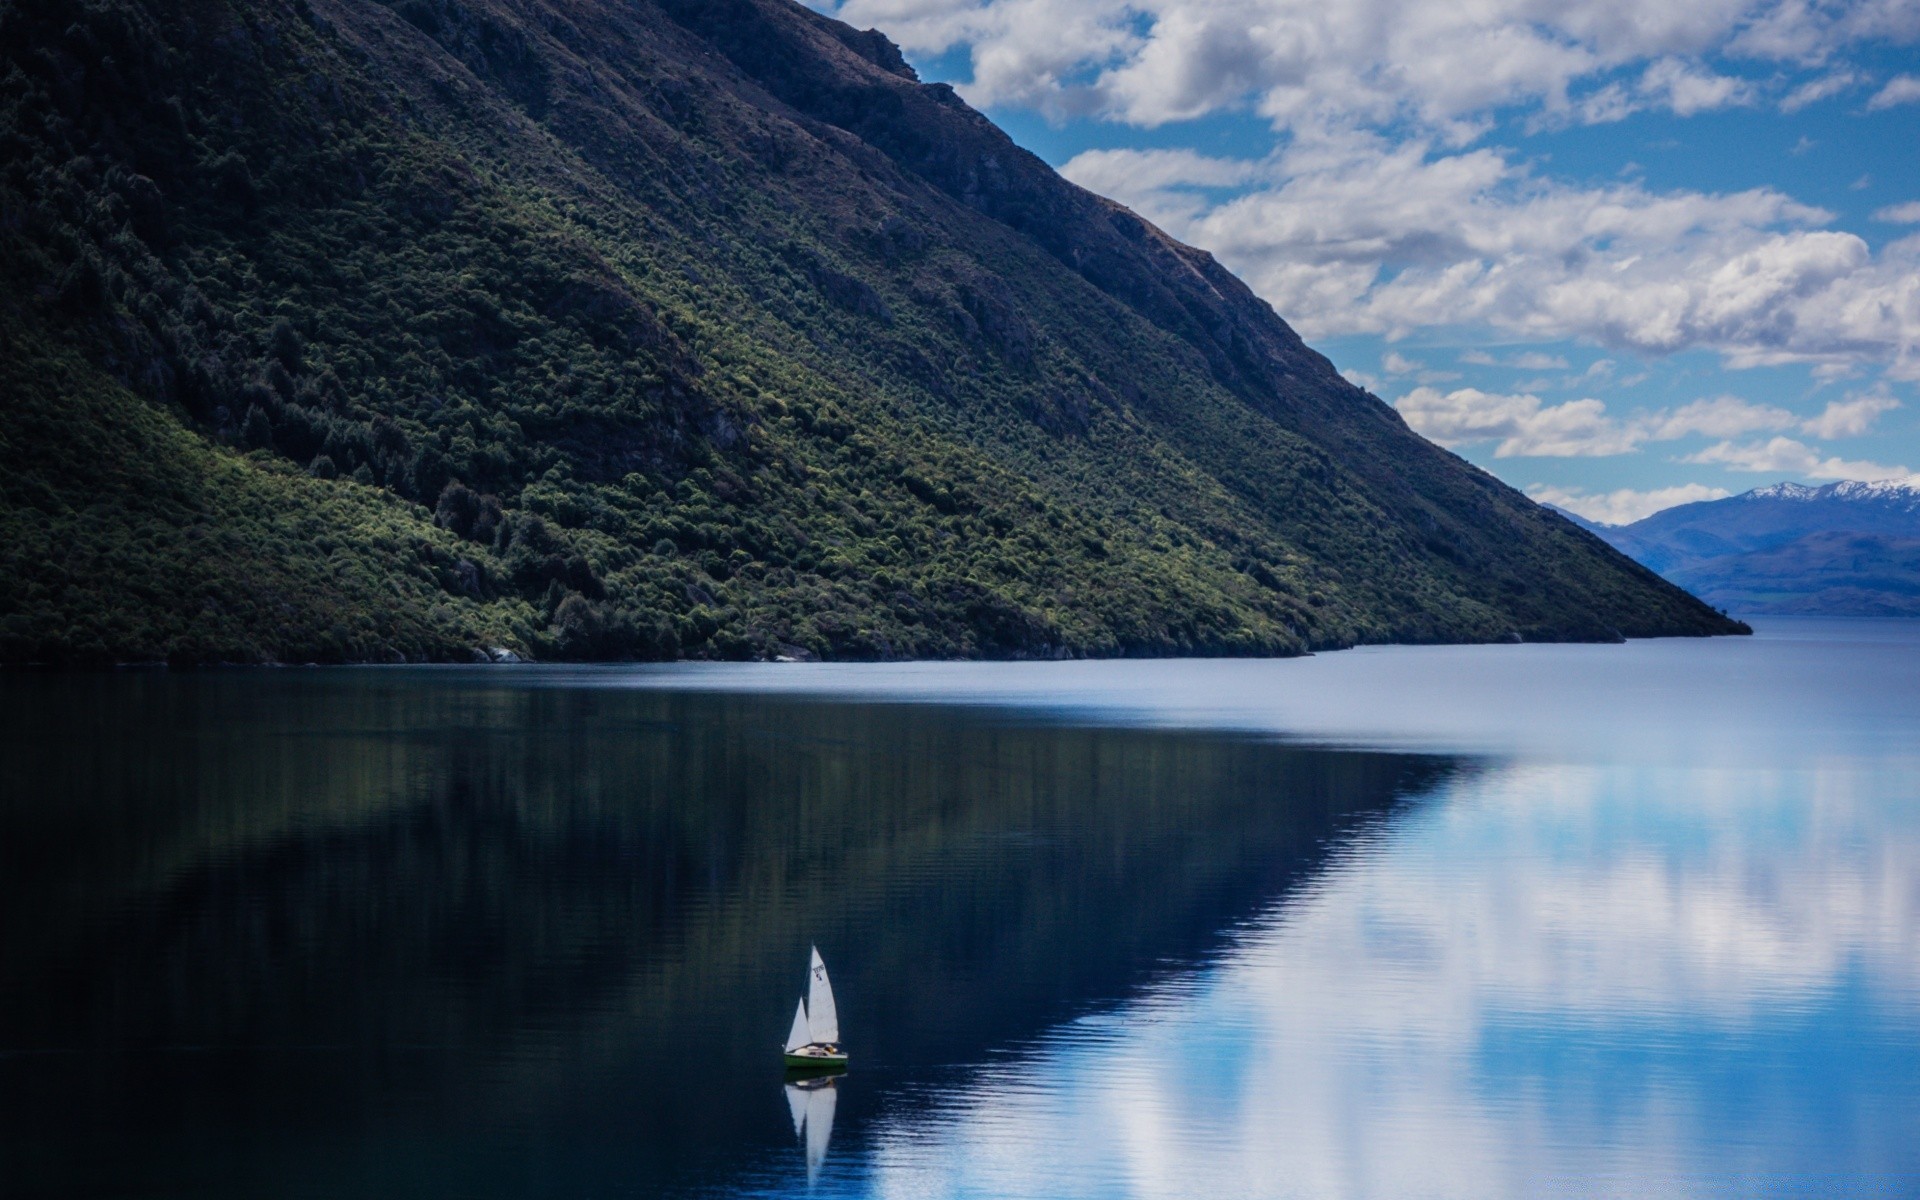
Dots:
(349, 329)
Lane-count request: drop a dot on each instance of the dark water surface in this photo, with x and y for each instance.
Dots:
(1492, 921)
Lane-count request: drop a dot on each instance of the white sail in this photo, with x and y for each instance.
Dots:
(820, 1104)
(798, 1035)
(823, 1020)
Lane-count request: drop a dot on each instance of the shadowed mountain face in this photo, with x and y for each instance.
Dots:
(1845, 549)
(402, 933)
(347, 329)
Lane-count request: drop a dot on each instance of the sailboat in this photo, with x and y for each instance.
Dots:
(814, 1040)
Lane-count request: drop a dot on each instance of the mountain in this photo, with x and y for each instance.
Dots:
(410, 329)
(1845, 549)
(1594, 527)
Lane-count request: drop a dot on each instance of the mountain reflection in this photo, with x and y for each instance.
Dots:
(413, 932)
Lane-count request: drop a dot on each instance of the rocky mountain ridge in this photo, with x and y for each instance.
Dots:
(404, 329)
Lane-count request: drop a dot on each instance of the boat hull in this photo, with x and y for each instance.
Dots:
(816, 1058)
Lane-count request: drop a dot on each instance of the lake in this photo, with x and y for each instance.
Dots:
(1498, 921)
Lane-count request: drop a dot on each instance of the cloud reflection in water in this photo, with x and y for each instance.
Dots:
(1615, 981)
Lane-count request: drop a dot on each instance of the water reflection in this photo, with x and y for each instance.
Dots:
(430, 933)
(1552, 980)
(448, 933)
(812, 1102)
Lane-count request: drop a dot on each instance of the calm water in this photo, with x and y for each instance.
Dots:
(1633, 920)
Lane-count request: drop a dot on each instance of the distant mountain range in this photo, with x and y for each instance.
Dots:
(1846, 549)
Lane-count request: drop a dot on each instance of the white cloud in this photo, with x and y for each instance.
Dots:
(1602, 106)
(1901, 89)
(1350, 234)
(1815, 90)
(1024, 52)
(1535, 361)
(1784, 456)
(1719, 417)
(1107, 171)
(1525, 426)
(1850, 418)
(1685, 88)
(1900, 214)
(1625, 505)
(1375, 215)
(1526, 360)
(1395, 363)
(1522, 424)
(1375, 63)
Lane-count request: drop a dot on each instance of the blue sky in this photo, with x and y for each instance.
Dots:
(1622, 253)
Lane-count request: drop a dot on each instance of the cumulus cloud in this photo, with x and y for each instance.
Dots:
(1785, 456)
(1686, 88)
(1164, 168)
(1731, 417)
(1719, 417)
(1527, 360)
(1815, 90)
(1623, 506)
(1900, 214)
(1851, 417)
(1377, 215)
(1383, 62)
(1351, 233)
(1395, 363)
(1523, 425)
(1901, 89)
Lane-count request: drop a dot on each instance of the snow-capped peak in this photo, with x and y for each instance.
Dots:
(1895, 491)
(1881, 489)
(1784, 491)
